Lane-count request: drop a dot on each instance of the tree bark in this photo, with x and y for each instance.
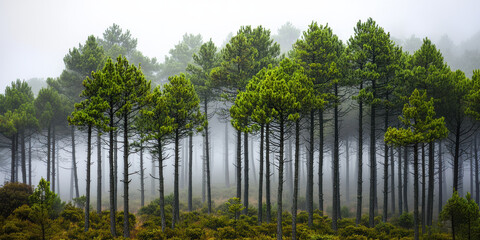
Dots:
(53, 158)
(142, 179)
(24, 158)
(89, 161)
(347, 176)
(207, 148)
(440, 178)
(74, 163)
(160, 183)
(176, 212)
(12, 169)
(405, 180)
(49, 152)
(477, 183)
(30, 161)
(309, 192)
(245, 172)
(385, 174)
(295, 180)
(126, 181)
(415, 191)
(260, 178)
(280, 181)
(267, 172)
(190, 161)
(359, 162)
(373, 167)
(423, 189)
(113, 230)
(320, 161)
(99, 172)
(227, 172)
(239, 164)
(400, 186)
(392, 178)
(431, 182)
(456, 157)
(115, 162)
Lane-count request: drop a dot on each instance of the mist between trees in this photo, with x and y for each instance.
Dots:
(299, 120)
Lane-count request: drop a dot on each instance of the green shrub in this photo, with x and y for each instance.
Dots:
(226, 233)
(12, 196)
(344, 222)
(22, 212)
(322, 237)
(72, 214)
(195, 233)
(302, 217)
(151, 234)
(405, 220)
(357, 231)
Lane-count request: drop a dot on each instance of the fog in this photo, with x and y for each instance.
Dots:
(36, 35)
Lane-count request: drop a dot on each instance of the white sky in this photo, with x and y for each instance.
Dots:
(35, 35)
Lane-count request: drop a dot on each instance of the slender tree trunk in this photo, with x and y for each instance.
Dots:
(431, 182)
(267, 172)
(152, 182)
(416, 216)
(336, 167)
(245, 172)
(309, 193)
(471, 170)
(440, 178)
(74, 163)
(99, 172)
(347, 176)
(252, 162)
(115, 156)
(405, 180)
(392, 178)
(456, 156)
(260, 178)
(207, 148)
(160, 183)
(227, 172)
(113, 230)
(12, 169)
(176, 212)
(477, 183)
(190, 161)
(142, 179)
(400, 186)
(239, 164)
(58, 172)
(280, 181)
(24, 157)
(17, 157)
(423, 189)
(53, 158)
(89, 163)
(359, 162)
(183, 160)
(290, 167)
(295, 180)
(385, 174)
(320, 162)
(49, 152)
(30, 161)
(373, 167)
(126, 181)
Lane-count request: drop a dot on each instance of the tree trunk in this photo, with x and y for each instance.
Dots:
(290, 167)
(415, 191)
(347, 176)
(477, 183)
(423, 189)
(12, 170)
(385, 174)
(431, 182)
(99, 172)
(309, 192)
(24, 158)
(405, 180)
(126, 181)
(267, 172)
(190, 161)
(227, 172)
(207, 148)
(53, 158)
(176, 212)
(456, 157)
(252, 162)
(160, 183)
(392, 178)
(30, 161)
(336, 166)
(49, 152)
(115, 155)
(260, 178)
(295, 180)
(142, 179)
(440, 178)
(280, 181)
(373, 168)
(359, 163)
(113, 230)
(400, 186)
(74, 163)
(239, 164)
(320, 161)
(153, 174)
(245, 172)
(89, 163)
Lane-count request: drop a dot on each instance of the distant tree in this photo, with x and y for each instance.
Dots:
(286, 36)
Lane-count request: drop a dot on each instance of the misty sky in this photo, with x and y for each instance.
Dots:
(35, 35)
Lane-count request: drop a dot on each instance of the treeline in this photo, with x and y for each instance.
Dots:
(414, 102)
